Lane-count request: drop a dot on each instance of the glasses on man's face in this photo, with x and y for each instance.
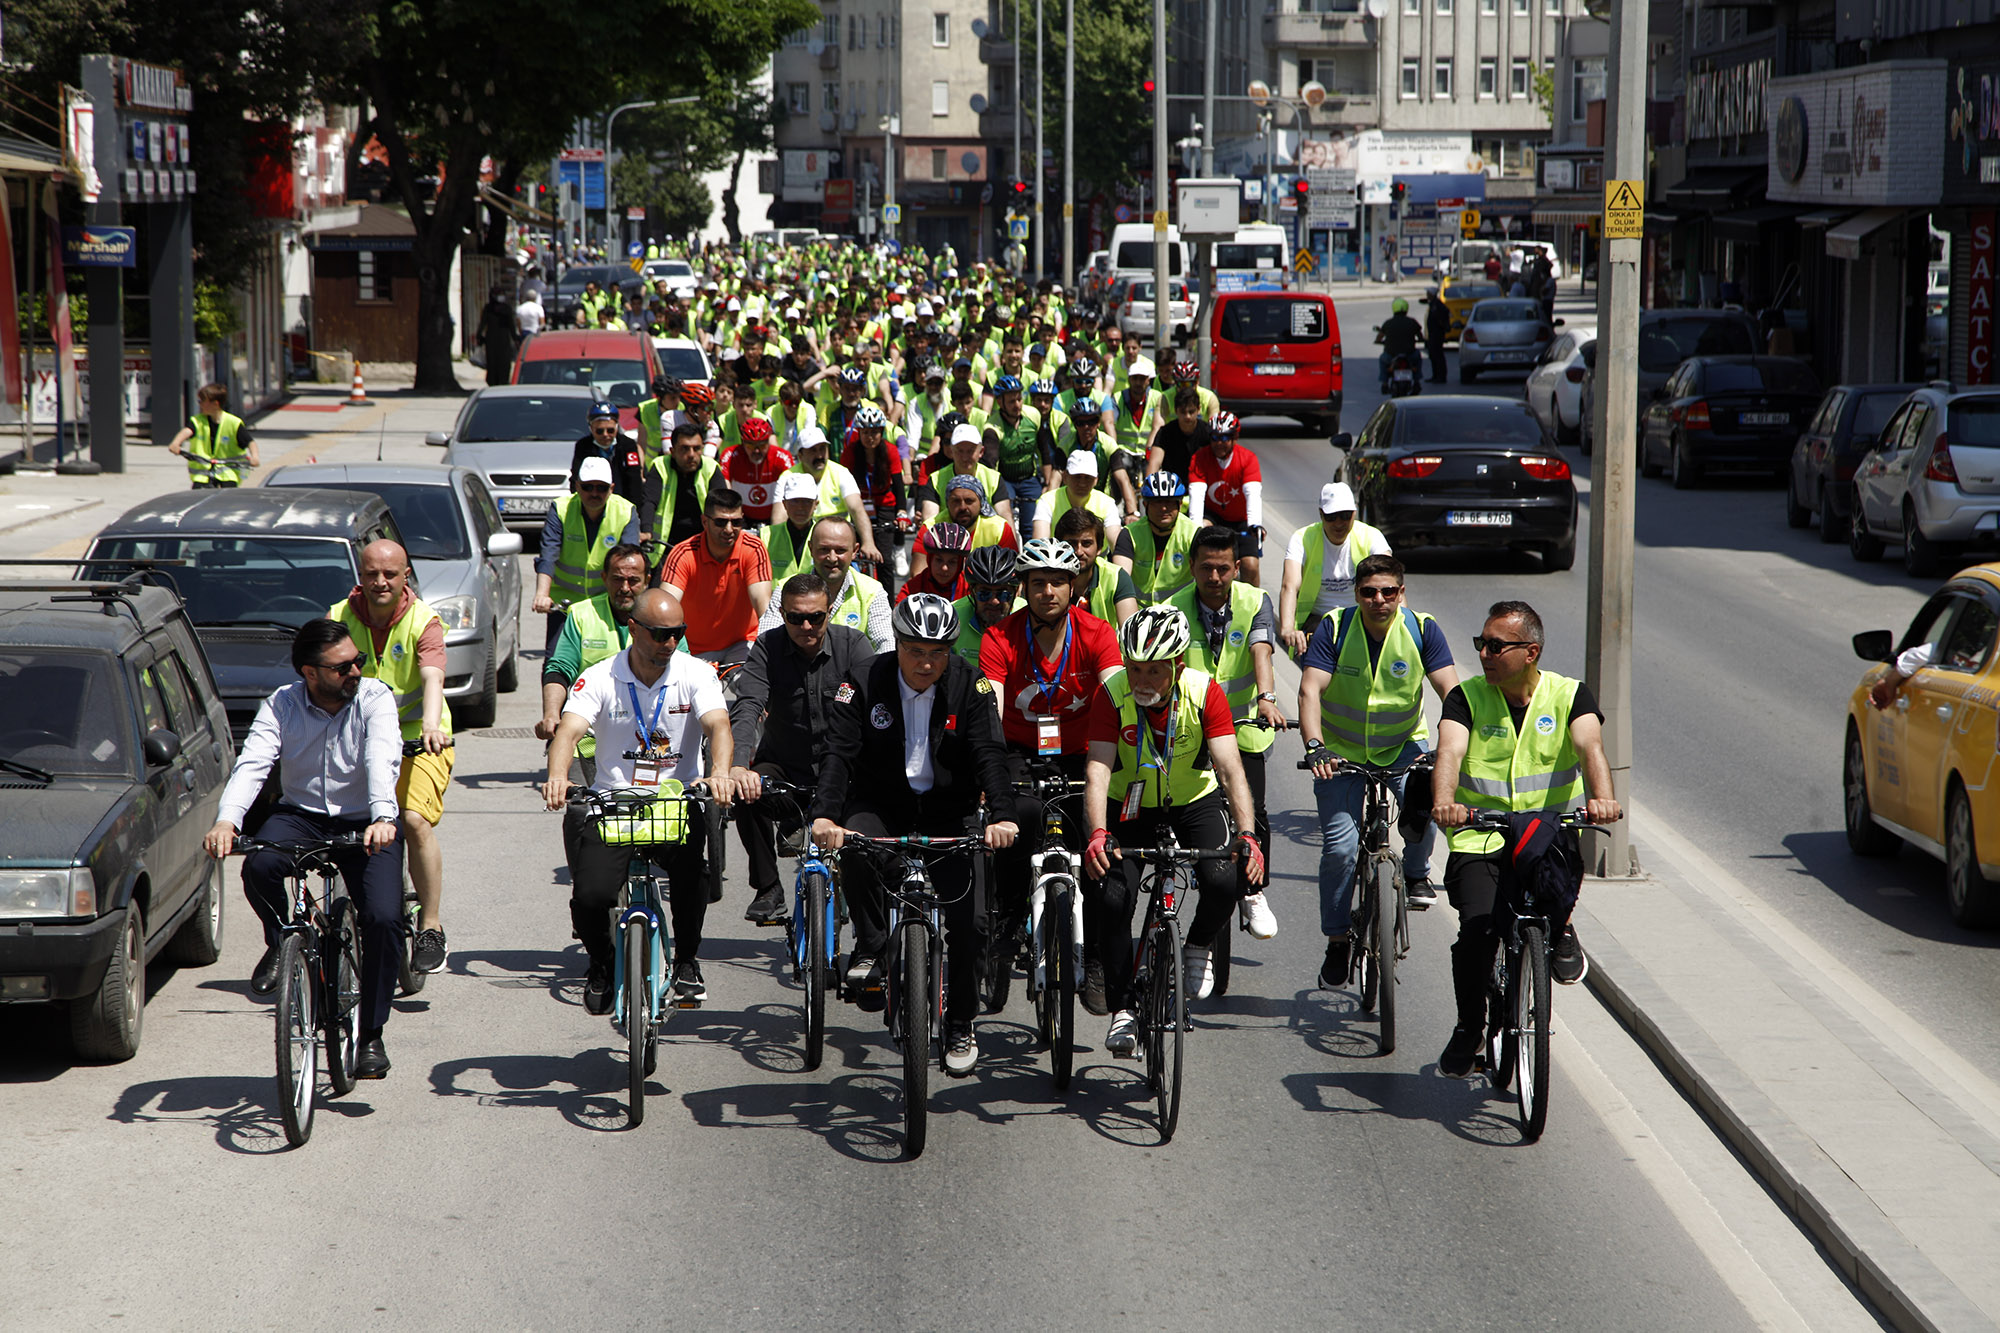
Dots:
(351, 667)
(1482, 644)
(605, 428)
(722, 522)
(1378, 594)
(661, 633)
(805, 619)
(595, 488)
(992, 594)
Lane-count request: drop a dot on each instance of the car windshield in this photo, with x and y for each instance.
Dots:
(682, 363)
(1507, 312)
(62, 712)
(243, 580)
(676, 268)
(524, 417)
(1139, 254)
(1873, 412)
(1665, 343)
(1473, 425)
(1250, 254)
(616, 380)
(573, 280)
(1275, 319)
(1975, 422)
(427, 517)
(1755, 376)
(1471, 291)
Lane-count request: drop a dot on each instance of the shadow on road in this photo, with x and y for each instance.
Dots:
(1906, 891)
(1471, 1109)
(587, 1088)
(243, 1110)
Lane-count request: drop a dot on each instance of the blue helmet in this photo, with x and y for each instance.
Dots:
(1041, 388)
(853, 375)
(1162, 486)
(1086, 409)
(1007, 384)
(600, 410)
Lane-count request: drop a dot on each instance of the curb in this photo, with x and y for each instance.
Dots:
(83, 503)
(1864, 1244)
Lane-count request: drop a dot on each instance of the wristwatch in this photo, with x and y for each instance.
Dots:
(1267, 697)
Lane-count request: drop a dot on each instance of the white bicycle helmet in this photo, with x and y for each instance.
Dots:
(869, 417)
(925, 617)
(1048, 553)
(1154, 634)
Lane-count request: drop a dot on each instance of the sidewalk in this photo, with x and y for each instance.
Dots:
(1882, 1141)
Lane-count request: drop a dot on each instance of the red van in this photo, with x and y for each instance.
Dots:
(616, 364)
(1277, 354)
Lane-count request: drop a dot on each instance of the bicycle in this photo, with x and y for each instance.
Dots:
(1380, 923)
(813, 932)
(1054, 925)
(642, 818)
(408, 979)
(914, 967)
(1219, 960)
(1156, 968)
(1518, 998)
(319, 979)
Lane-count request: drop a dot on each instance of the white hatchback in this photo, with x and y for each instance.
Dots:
(1555, 385)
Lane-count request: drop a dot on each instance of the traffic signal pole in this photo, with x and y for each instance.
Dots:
(1162, 172)
(1069, 144)
(1038, 239)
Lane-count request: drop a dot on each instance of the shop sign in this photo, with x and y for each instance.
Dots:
(1979, 301)
(1972, 134)
(1857, 137)
(1727, 102)
(100, 247)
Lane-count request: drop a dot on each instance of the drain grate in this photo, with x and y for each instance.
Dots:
(502, 733)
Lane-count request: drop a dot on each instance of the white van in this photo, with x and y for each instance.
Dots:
(1132, 252)
(1258, 258)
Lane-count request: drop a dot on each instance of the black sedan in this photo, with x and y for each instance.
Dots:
(1726, 412)
(1457, 470)
(1833, 443)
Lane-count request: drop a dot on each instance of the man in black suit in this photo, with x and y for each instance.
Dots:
(909, 751)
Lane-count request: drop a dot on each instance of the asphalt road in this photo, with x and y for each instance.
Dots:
(1313, 1183)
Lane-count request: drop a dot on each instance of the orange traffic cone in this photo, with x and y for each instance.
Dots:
(358, 395)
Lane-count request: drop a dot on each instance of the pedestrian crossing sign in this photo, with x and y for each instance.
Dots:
(1624, 210)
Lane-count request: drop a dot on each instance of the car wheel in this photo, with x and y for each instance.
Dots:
(1796, 514)
(508, 678)
(1561, 555)
(1974, 900)
(1921, 555)
(1832, 528)
(1684, 472)
(1864, 836)
(1647, 467)
(1567, 437)
(481, 708)
(106, 1026)
(198, 942)
(1862, 544)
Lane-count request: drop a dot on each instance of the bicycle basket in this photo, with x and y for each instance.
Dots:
(662, 821)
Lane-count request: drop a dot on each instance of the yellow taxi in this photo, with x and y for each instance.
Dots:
(1922, 761)
(1461, 294)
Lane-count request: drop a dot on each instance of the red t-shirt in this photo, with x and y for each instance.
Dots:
(1105, 723)
(922, 583)
(757, 480)
(1225, 500)
(874, 483)
(1008, 658)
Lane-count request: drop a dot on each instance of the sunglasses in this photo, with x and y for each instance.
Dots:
(351, 667)
(992, 594)
(1482, 644)
(595, 488)
(660, 633)
(736, 522)
(802, 619)
(1379, 594)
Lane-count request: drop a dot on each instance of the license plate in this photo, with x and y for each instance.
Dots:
(1278, 369)
(522, 504)
(1507, 356)
(1764, 418)
(1479, 518)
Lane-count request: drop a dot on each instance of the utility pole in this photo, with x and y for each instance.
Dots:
(1040, 237)
(890, 126)
(1608, 658)
(1069, 144)
(1209, 8)
(1017, 94)
(1162, 171)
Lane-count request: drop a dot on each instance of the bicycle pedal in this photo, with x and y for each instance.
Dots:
(680, 1003)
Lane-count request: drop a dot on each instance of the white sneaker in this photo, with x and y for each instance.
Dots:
(1123, 1037)
(1257, 918)
(1197, 972)
(961, 1051)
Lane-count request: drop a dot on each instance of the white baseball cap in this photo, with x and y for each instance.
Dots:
(1143, 366)
(811, 437)
(1082, 463)
(734, 304)
(797, 486)
(924, 308)
(965, 433)
(1336, 497)
(594, 469)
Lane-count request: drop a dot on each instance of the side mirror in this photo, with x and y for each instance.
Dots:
(1558, 324)
(437, 439)
(1874, 645)
(1342, 441)
(1590, 356)
(504, 543)
(161, 748)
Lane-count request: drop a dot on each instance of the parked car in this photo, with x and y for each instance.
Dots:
(618, 366)
(464, 561)
(682, 359)
(563, 305)
(1840, 434)
(260, 563)
(1932, 481)
(678, 273)
(519, 438)
(1279, 353)
(1737, 413)
(1503, 333)
(1924, 770)
(114, 748)
(1457, 470)
(1554, 390)
(1136, 309)
(1090, 282)
(1669, 337)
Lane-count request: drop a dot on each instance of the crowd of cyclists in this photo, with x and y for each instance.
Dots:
(927, 535)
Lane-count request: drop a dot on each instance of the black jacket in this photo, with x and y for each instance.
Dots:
(788, 698)
(628, 472)
(863, 768)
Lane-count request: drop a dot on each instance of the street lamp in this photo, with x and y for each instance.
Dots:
(1260, 94)
(611, 120)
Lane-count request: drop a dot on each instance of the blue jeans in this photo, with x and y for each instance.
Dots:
(1023, 493)
(1340, 800)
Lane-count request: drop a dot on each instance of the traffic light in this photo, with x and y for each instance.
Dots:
(1018, 191)
(1302, 189)
(1398, 191)
(1147, 87)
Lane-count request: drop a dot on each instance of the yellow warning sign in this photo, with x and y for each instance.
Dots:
(1305, 261)
(1468, 220)
(1624, 210)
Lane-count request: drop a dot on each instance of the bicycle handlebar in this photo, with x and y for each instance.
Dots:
(917, 842)
(1422, 761)
(416, 747)
(1173, 856)
(298, 848)
(633, 800)
(1495, 821)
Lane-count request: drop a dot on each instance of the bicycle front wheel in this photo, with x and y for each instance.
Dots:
(298, 1041)
(1382, 949)
(1166, 1017)
(915, 999)
(816, 912)
(341, 944)
(1055, 1003)
(1501, 1042)
(408, 980)
(638, 1022)
(1531, 1023)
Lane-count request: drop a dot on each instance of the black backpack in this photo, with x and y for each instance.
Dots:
(1541, 867)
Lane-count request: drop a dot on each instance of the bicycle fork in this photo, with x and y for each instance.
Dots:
(1057, 872)
(892, 973)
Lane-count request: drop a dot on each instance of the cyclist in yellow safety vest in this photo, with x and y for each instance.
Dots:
(1361, 702)
(656, 419)
(1162, 756)
(1155, 552)
(789, 539)
(1077, 491)
(1513, 738)
(1320, 561)
(401, 642)
(576, 535)
(214, 442)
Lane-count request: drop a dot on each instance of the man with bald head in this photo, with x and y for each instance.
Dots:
(649, 708)
(402, 645)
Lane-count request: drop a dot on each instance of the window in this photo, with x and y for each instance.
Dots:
(940, 30)
(1517, 77)
(1966, 647)
(799, 38)
(856, 34)
(368, 285)
(1409, 76)
(830, 32)
(1552, 6)
(1441, 79)
(1489, 6)
(1413, 6)
(937, 164)
(881, 98)
(1489, 76)
(1444, 6)
(798, 98)
(1520, 6)
(895, 33)
(829, 96)
(882, 31)
(940, 97)
(1586, 85)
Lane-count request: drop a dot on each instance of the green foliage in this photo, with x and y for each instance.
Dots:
(1542, 85)
(215, 313)
(1114, 117)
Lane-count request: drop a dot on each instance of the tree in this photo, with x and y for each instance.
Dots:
(1114, 114)
(1543, 86)
(659, 144)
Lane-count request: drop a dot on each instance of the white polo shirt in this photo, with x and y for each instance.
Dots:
(606, 694)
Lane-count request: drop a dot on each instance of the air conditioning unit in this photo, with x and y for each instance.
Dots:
(826, 122)
(814, 47)
(849, 121)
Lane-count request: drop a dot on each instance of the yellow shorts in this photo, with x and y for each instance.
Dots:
(421, 786)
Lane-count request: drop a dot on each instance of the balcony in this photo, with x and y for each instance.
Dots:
(996, 51)
(1318, 30)
(829, 56)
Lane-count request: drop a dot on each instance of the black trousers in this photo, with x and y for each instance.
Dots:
(555, 622)
(1253, 777)
(1472, 881)
(1013, 867)
(1203, 823)
(759, 822)
(1437, 360)
(374, 883)
(598, 870)
(952, 879)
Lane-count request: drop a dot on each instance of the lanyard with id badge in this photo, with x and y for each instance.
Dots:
(1163, 767)
(652, 752)
(1048, 727)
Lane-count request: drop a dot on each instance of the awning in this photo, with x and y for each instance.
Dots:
(1710, 186)
(1844, 241)
(1745, 224)
(1661, 221)
(1825, 217)
(1562, 217)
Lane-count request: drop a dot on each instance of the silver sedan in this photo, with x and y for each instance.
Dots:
(1503, 333)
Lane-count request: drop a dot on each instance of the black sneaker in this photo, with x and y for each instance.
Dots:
(689, 988)
(1566, 961)
(264, 977)
(1333, 972)
(1461, 1053)
(1093, 988)
(597, 989)
(430, 951)
(767, 908)
(1421, 894)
